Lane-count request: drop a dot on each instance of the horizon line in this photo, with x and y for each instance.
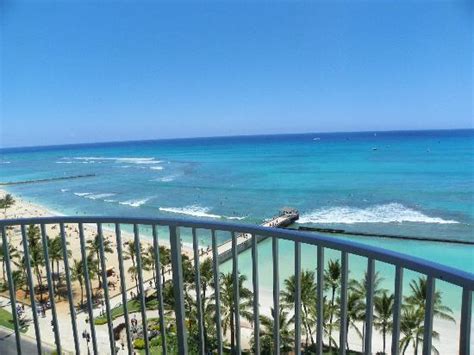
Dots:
(226, 136)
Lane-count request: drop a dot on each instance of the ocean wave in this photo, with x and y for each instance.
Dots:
(5, 162)
(135, 203)
(129, 160)
(82, 194)
(98, 196)
(195, 211)
(64, 190)
(387, 213)
(156, 167)
(63, 162)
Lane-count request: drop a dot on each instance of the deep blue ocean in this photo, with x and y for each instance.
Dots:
(408, 183)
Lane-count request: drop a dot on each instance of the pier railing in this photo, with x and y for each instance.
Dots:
(181, 309)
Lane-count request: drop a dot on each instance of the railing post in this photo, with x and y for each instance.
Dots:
(67, 272)
(49, 279)
(11, 289)
(197, 282)
(123, 288)
(343, 310)
(176, 264)
(105, 286)
(217, 290)
(236, 284)
(276, 297)
(297, 298)
(138, 255)
(369, 310)
(428, 325)
(397, 309)
(320, 300)
(159, 291)
(26, 250)
(256, 306)
(466, 315)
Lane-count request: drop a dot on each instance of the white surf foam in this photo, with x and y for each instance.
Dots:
(82, 194)
(64, 190)
(387, 213)
(99, 196)
(129, 160)
(156, 167)
(5, 162)
(196, 211)
(135, 203)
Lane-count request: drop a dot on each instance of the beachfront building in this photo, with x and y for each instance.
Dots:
(132, 285)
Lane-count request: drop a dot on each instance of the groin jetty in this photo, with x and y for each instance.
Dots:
(286, 217)
(37, 181)
(382, 235)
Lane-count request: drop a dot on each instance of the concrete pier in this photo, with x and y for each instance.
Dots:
(286, 217)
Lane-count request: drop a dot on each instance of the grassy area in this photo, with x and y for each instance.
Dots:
(6, 320)
(132, 305)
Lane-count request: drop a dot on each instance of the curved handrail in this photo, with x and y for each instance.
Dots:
(436, 270)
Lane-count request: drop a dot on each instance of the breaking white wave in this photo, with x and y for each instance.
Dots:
(387, 213)
(156, 167)
(108, 200)
(129, 160)
(135, 203)
(5, 162)
(99, 196)
(64, 162)
(82, 194)
(64, 190)
(195, 211)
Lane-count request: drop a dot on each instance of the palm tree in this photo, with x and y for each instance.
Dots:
(308, 299)
(206, 276)
(411, 326)
(6, 202)
(94, 249)
(131, 253)
(77, 274)
(19, 280)
(149, 261)
(14, 255)
(332, 281)
(55, 251)
(227, 303)
(266, 332)
(360, 288)
(165, 261)
(383, 307)
(355, 313)
(418, 297)
(413, 315)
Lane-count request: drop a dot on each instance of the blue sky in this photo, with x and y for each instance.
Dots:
(76, 71)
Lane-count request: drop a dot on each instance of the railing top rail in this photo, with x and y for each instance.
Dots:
(436, 270)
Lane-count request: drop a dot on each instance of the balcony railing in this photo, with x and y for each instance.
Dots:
(185, 322)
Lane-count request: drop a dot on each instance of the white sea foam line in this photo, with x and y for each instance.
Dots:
(387, 213)
(5, 162)
(156, 167)
(130, 160)
(196, 211)
(81, 194)
(135, 203)
(99, 196)
(64, 190)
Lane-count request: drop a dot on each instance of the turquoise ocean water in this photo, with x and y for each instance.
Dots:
(408, 183)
